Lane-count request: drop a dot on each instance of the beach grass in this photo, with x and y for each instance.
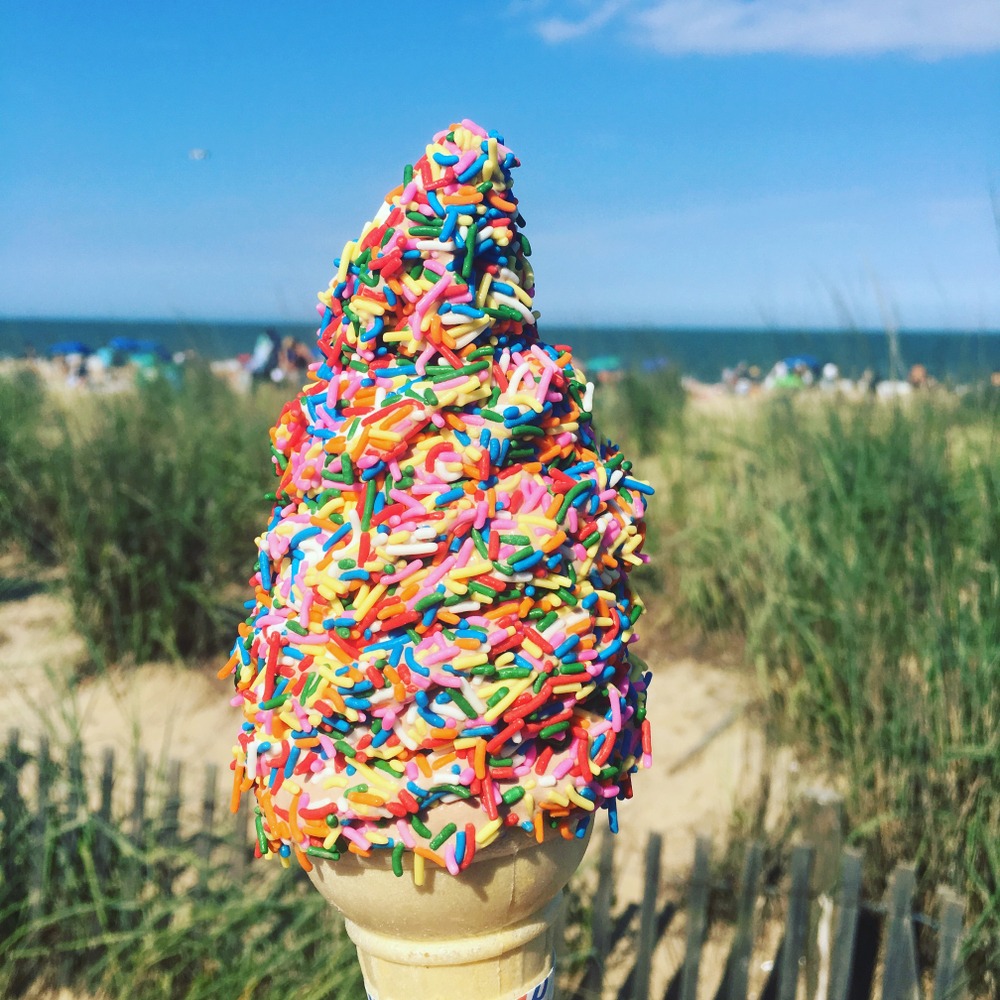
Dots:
(852, 549)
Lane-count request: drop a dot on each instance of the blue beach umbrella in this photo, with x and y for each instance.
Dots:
(69, 347)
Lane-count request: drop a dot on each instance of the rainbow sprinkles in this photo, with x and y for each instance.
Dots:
(437, 653)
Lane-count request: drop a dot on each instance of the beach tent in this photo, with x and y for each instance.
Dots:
(138, 349)
(69, 347)
(603, 363)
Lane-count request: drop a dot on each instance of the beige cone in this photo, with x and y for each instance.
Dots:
(487, 933)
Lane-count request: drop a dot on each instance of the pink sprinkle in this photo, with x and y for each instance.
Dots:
(406, 834)
(356, 838)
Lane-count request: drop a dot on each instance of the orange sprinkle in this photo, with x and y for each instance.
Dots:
(366, 798)
(424, 765)
(302, 859)
(228, 668)
(444, 760)
(426, 852)
(554, 542)
(538, 822)
(351, 846)
(479, 760)
(234, 801)
(293, 818)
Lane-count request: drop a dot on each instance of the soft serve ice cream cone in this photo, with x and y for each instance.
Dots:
(436, 678)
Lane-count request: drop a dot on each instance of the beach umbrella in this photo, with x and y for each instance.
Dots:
(69, 347)
(126, 345)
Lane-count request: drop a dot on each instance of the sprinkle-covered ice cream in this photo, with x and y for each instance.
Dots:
(438, 647)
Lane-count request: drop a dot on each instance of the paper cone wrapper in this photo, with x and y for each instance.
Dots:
(487, 933)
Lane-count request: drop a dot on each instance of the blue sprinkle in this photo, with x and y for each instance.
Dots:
(336, 537)
(300, 536)
(634, 484)
(472, 169)
(265, 570)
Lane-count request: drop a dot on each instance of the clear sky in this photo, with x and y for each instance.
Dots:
(781, 163)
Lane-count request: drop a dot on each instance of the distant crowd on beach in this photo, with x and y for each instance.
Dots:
(278, 359)
(807, 372)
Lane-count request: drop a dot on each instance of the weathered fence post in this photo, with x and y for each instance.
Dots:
(241, 832)
(796, 922)
(102, 836)
(821, 817)
(135, 871)
(697, 919)
(846, 929)
(738, 967)
(949, 983)
(647, 918)
(600, 928)
(40, 855)
(899, 973)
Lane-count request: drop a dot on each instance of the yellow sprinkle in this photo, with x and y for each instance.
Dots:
(576, 797)
(557, 798)
(345, 260)
(487, 834)
(517, 688)
(469, 660)
(484, 287)
(418, 869)
(473, 569)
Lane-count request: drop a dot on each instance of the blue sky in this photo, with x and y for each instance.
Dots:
(778, 163)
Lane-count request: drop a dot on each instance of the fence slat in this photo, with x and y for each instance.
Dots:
(948, 979)
(169, 835)
(593, 980)
(647, 918)
(40, 856)
(697, 919)
(135, 871)
(205, 836)
(241, 831)
(899, 974)
(845, 934)
(737, 973)
(822, 823)
(796, 922)
(102, 837)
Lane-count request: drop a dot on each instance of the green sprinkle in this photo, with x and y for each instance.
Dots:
(397, 859)
(513, 795)
(418, 824)
(445, 833)
(261, 839)
(275, 702)
(345, 748)
(557, 727)
(371, 488)
(322, 852)
(497, 696)
(459, 699)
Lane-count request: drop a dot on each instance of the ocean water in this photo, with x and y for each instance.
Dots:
(702, 353)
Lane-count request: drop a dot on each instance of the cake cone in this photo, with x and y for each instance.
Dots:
(489, 934)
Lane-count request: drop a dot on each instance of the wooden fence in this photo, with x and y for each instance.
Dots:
(833, 944)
